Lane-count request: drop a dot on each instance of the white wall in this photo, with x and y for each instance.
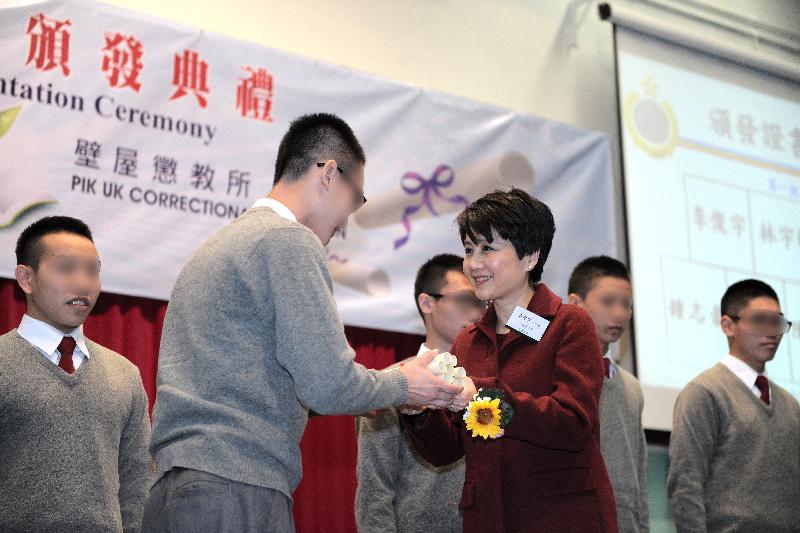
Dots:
(526, 55)
(552, 58)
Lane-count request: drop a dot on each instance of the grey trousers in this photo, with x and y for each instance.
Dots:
(191, 501)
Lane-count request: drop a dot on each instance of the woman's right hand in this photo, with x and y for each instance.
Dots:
(463, 398)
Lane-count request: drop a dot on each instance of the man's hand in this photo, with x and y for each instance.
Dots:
(373, 414)
(463, 398)
(424, 388)
(411, 410)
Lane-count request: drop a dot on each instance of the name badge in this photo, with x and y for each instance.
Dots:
(526, 323)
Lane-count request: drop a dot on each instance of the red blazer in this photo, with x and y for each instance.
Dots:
(546, 473)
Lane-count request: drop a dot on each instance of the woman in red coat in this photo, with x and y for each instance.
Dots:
(545, 473)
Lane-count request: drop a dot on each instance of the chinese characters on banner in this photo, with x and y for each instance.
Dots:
(122, 63)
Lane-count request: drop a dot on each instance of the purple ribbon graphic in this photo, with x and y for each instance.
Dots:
(413, 183)
(335, 258)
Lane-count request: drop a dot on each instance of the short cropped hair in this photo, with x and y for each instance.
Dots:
(432, 275)
(29, 245)
(592, 268)
(313, 139)
(738, 295)
(517, 217)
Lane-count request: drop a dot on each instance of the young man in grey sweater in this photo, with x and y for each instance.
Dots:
(602, 286)
(252, 340)
(735, 445)
(398, 491)
(73, 415)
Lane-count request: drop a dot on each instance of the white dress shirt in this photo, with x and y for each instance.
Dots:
(744, 372)
(612, 367)
(276, 206)
(46, 339)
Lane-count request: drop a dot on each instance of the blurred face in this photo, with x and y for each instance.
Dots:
(755, 333)
(494, 268)
(343, 196)
(65, 287)
(453, 308)
(610, 304)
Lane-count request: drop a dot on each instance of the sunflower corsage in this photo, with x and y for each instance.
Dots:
(488, 414)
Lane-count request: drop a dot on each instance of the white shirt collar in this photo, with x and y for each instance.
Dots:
(612, 368)
(422, 350)
(47, 338)
(276, 206)
(742, 370)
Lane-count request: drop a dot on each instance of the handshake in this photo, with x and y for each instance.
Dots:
(435, 382)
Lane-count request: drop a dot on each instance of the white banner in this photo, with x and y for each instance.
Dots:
(157, 134)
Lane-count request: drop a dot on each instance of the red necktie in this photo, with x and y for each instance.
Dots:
(763, 385)
(66, 347)
(607, 364)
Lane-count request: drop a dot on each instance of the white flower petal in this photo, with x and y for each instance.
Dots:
(435, 365)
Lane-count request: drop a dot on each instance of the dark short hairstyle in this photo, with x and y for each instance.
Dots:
(592, 268)
(738, 295)
(29, 245)
(431, 276)
(517, 217)
(315, 138)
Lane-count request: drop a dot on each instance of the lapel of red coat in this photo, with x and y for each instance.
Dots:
(544, 303)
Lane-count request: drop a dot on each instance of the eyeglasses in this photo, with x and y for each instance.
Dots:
(765, 322)
(462, 299)
(358, 195)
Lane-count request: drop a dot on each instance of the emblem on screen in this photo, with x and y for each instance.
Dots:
(650, 122)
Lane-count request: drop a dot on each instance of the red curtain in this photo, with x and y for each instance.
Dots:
(325, 499)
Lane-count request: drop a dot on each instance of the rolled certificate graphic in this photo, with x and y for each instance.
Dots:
(367, 279)
(446, 190)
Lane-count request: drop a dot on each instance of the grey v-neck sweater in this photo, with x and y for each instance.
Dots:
(252, 339)
(73, 447)
(734, 460)
(624, 449)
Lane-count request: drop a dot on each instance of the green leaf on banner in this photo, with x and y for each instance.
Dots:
(7, 118)
(11, 215)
